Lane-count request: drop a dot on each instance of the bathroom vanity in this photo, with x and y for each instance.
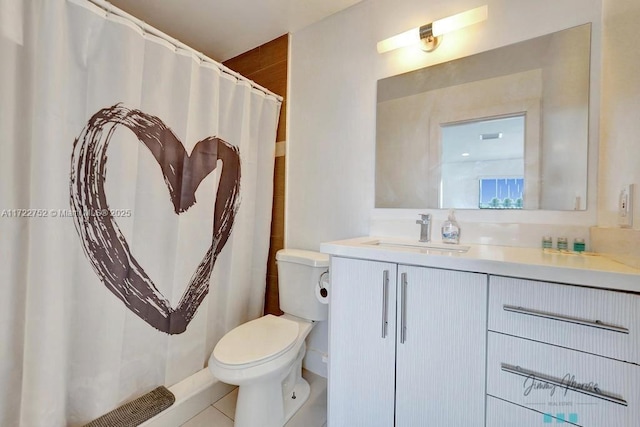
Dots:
(480, 336)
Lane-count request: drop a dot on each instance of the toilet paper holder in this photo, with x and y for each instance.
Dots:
(323, 291)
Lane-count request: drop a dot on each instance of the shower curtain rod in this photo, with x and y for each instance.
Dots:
(109, 8)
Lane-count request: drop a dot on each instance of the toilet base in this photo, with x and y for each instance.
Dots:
(259, 404)
(263, 404)
(301, 391)
(271, 403)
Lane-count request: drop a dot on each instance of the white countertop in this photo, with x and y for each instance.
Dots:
(529, 263)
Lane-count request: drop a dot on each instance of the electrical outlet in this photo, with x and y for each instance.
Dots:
(625, 206)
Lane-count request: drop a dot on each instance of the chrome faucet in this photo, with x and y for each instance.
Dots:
(425, 227)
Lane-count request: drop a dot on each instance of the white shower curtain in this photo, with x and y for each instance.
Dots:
(135, 206)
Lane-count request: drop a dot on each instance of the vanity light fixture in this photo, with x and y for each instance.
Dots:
(430, 35)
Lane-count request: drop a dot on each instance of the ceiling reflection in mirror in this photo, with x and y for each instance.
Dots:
(503, 129)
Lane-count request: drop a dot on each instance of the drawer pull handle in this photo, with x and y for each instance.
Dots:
(595, 324)
(517, 370)
(403, 312)
(385, 302)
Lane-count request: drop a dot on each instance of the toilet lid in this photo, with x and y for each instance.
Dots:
(256, 340)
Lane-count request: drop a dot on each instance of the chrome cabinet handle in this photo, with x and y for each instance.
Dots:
(403, 312)
(593, 324)
(517, 370)
(385, 302)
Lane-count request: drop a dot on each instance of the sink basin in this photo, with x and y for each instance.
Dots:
(427, 246)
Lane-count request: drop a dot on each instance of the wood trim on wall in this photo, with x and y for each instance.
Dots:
(267, 66)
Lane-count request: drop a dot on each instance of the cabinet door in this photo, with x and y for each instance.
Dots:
(440, 369)
(361, 345)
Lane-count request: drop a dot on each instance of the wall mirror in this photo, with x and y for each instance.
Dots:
(502, 129)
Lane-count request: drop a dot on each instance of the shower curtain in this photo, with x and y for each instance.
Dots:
(135, 206)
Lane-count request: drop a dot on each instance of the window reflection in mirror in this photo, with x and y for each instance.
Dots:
(501, 193)
(483, 164)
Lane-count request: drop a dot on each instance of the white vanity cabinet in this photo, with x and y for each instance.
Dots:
(488, 336)
(407, 345)
(563, 352)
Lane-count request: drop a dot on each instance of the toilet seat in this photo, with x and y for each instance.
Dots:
(256, 342)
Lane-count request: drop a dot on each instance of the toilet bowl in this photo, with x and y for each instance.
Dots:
(264, 356)
(268, 372)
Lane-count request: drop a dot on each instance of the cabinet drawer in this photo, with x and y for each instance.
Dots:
(596, 321)
(591, 391)
(501, 413)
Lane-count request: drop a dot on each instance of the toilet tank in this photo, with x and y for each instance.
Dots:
(298, 276)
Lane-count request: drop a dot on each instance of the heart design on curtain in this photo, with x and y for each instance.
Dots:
(103, 242)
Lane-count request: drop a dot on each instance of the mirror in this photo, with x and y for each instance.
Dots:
(503, 129)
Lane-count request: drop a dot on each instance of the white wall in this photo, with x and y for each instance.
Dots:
(332, 99)
(620, 136)
(334, 68)
(331, 108)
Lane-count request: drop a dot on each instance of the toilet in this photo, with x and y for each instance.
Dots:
(264, 356)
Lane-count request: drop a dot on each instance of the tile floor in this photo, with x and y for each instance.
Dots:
(312, 414)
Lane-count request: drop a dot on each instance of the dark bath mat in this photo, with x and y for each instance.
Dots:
(137, 411)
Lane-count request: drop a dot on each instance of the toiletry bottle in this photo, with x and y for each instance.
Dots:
(562, 244)
(451, 230)
(578, 244)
